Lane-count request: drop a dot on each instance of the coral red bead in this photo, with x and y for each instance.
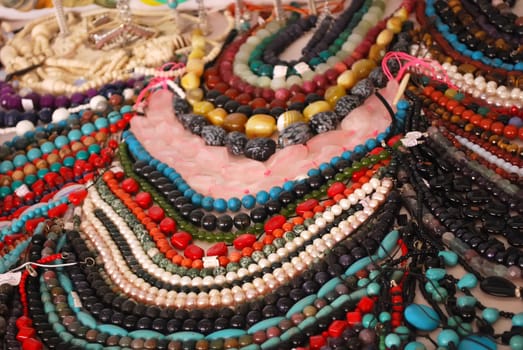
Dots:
(156, 213)
(366, 304)
(353, 318)
(316, 342)
(130, 185)
(336, 328)
(282, 94)
(193, 252)
(168, 225)
(32, 344)
(180, 240)
(218, 249)
(335, 188)
(258, 102)
(308, 205)
(245, 240)
(510, 132)
(78, 197)
(497, 128)
(143, 199)
(23, 321)
(274, 223)
(25, 332)
(243, 98)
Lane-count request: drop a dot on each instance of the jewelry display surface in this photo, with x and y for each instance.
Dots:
(309, 185)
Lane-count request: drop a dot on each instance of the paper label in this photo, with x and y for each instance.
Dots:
(76, 299)
(408, 142)
(302, 67)
(22, 191)
(210, 261)
(279, 71)
(12, 278)
(27, 104)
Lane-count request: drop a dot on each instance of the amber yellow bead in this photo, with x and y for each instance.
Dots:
(363, 67)
(29, 169)
(334, 93)
(195, 66)
(450, 93)
(18, 175)
(468, 127)
(5, 180)
(190, 81)
(315, 108)
(194, 95)
(402, 14)
(235, 122)
(53, 158)
(347, 79)
(395, 24)
(385, 37)
(88, 141)
(260, 125)
(203, 107)
(376, 52)
(197, 53)
(287, 118)
(217, 116)
(198, 42)
(455, 119)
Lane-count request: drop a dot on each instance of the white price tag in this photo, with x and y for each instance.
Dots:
(279, 71)
(302, 67)
(22, 191)
(12, 278)
(76, 299)
(27, 104)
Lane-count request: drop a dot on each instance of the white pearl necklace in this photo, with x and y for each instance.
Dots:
(130, 284)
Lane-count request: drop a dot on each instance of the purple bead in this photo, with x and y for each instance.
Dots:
(130, 83)
(7, 89)
(14, 102)
(3, 100)
(35, 97)
(47, 101)
(62, 102)
(77, 98)
(516, 121)
(91, 93)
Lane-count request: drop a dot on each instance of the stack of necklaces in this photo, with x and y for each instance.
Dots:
(258, 203)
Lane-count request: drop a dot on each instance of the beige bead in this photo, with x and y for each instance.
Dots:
(195, 66)
(194, 95)
(347, 79)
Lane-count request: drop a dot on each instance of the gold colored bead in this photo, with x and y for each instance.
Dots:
(402, 14)
(260, 125)
(235, 122)
(190, 81)
(217, 116)
(290, 117)
(395, 24)
(376, 52)
(347, 79)
(468, 127)
(194, 95)
(195, 66)
(203, 107)
(18, 175)
(455, 119)
(197, 53)
(363, 67)
(385, 37)
(30, 169)
(450, 93)
(53, 158)
(315, 108)
(334, 93)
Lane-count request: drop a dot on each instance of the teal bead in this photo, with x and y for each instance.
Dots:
(448, 336)
(374, 274)
(516, 342)
(291, 332)
(61, 141)
(34, 153)
(69, 162)
(450, 258)
(415, 345)
(40, 173)
(384, 316)
(86, 319)
(6, 166)
(270, 343)
(468, 281)
(74, 135)
(146, 334)
(431, 286)
(82, 155)
(101, 123)
(47, 147)
(55, 167)
(490, 315)
(226, 334)
(248, 201)
(373, 289)
(464, 329)
(440, 294)
(363, 282)
(126, 109)
(422, 317)
(220, 205)
(30, 179)
(301, 304)
(19, 160)
(369, 321)
(388, 244)
(94, 149)
(324, 311)
(435, 274)
(391, 340)
(263, 325)
(517, 320)
(359, 265)
(5, 191)
(88, 129)
(16, 184)
(466, 300)
(475, 342)
(403, 332)
(94, 346)
(234, 204)
(185, 336)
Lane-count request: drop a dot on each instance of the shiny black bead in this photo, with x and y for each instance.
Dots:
(224, 222)
(208, 222)
(273, 206)
(242, 221)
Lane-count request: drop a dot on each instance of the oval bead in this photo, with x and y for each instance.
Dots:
(435, 274)
(260, 125)
(86, 319)
(468, 280)
(474, 342)
(450, 258)
(235, 122)
(490, 315)
(315, 108)
(466, 300)
(290, 117)
(112, 330)
(265, 324)
(300, 305)
(328, 287)
(415, 345)
(270, 343)
(360, 264)
(188, 336)
(517, 320)
(226, 334)
(146, 334)
(422, 317)
(388, 244)
(448, 336)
